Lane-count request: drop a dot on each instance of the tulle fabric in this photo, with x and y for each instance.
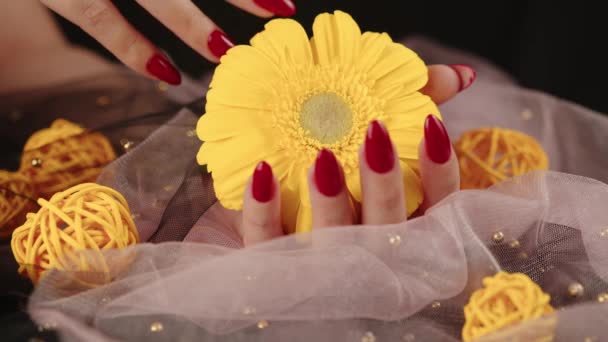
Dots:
(405, 282)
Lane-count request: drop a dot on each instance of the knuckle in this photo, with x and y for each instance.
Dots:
(95, 13)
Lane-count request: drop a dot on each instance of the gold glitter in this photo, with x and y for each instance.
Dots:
(36, 162)
(191, 133)
(591, 339)
(168, 187)
(436, 305)
(604, 233)
(103, 101)
(263, 324)
(162, 86)
(135, 216)
(602, 297)
(126, 144)
(522, 255)
(248, 310)
(526, 114)
(575, 290)
(156, 327)
(498, 237)
(408, 338)
(514, 244)
(394, 239)
(368, 337)
(250, 277)
(104, 300)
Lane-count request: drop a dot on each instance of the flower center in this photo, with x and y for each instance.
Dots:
(326, 117)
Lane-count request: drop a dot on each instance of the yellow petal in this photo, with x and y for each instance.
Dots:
(290, 204)
(246, 78)
(399, 70)
(413, 188)
(285, 42)
(304, 221)
(337, 38)
(372, 47)
(233, 122)
(353, 183)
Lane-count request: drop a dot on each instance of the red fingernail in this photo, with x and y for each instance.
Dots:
(262, 186)
(436, 139)
(160, 67)
(219, 43)
(379, 151)
(284, 8)
(466, 74)
(328, 175)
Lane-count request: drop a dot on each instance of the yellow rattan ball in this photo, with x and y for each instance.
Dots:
(506, 299)
(64, 155)
(85, 217)
(17, 198)
(490, 155)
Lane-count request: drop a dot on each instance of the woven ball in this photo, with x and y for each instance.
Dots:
(85, 217)
(490, 155)
(64, 155)
(17, 198)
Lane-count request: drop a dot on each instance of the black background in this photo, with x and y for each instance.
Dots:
(554, 46)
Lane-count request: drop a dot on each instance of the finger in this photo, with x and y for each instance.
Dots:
(103, 21)
(438, 163)
(266, 8)
(445, 81)
(184, 19)
(328, 196)
(261, 207)
(381, 179)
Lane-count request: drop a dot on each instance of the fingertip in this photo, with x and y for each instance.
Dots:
(446, 81)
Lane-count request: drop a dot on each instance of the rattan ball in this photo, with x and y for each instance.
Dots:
(17, 198)
(490, 155)
(87, 217)
(64, 155)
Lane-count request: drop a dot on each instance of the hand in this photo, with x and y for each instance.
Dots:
(103, 21)
(381, 180)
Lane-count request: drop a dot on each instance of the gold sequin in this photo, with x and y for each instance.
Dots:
(514, 244)
(591, 339)
(168, 188)
(135, 216)
(104, 300)
(368, 337)
(250, 277)
(263, 324)
(604, 233)
(156, 327)
(575, 290)
(408, 338)
(191, 133)
(162, 86)
(36, 162)
(498, 237)
(126, 144)
(103, 101)
(248, 310)
(522, 255)
(394, 239)
(47, 326)
(436, 305)
(602, 297)
(526, 114)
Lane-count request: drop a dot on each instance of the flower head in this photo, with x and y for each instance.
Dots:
(285, 97)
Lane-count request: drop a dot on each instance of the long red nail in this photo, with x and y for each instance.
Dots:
(160, 67)
(379, 151)
(262, 186)
(436, 139)
(328, 175)
(219, 43)
(284, 8)
(466, 74)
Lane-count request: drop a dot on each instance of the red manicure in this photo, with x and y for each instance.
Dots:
(284, 8)
(328, 175)
(262, 186)
(219, 43)
(379, 151)
(466, 74)
(436, 139)
(160, 67)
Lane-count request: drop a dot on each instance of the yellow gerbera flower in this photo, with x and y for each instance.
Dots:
(286, 97)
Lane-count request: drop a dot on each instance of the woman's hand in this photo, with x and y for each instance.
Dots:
(381, 179)
(103, 21)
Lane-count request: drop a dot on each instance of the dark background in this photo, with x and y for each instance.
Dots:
(554, 46)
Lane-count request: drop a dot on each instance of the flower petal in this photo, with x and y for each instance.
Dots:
(285, 42)
(304, 221)
(233, 122)
(398, 67)
(353, 183)
(336, 38)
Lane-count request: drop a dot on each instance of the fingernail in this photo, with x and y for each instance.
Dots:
(219, 43)
(160, 67)
(436, 139)
(262, 186)
(327, 175)
(284, 8)
(466, 74)
(379, 151)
